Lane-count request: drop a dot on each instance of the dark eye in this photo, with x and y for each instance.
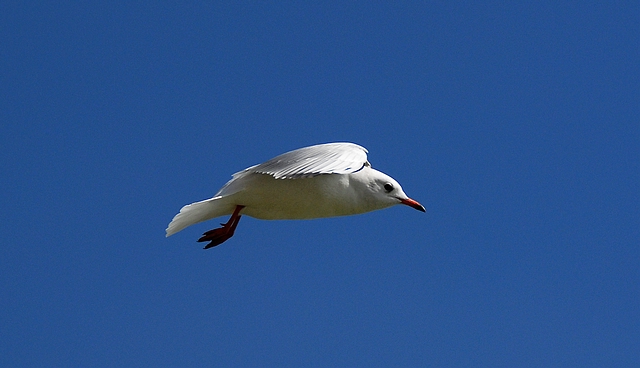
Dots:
(388, 187)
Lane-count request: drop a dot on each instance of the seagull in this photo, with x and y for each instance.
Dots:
(325, 180)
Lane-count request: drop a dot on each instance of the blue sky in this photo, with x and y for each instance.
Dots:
(516, 125)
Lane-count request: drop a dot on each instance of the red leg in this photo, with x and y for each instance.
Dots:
(221, 234)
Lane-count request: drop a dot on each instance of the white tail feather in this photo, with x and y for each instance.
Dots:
(197, 212)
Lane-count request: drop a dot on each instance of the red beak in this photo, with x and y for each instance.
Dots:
(411, 203)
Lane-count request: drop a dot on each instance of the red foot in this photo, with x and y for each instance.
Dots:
(221, 234)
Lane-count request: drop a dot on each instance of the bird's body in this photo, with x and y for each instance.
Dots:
(327, 180)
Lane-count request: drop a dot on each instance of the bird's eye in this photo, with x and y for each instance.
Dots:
(388, 187)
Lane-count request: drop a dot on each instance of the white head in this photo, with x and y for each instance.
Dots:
(382, 190)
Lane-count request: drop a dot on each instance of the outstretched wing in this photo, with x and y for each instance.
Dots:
(330, 158)
(322, 159)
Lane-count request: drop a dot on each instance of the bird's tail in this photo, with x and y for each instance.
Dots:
(197, 212)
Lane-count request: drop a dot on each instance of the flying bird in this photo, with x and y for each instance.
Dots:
(325, 180)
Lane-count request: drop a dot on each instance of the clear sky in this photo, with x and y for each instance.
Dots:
(516, 125)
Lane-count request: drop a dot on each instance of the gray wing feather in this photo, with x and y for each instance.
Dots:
(322, 159)
(330, 158)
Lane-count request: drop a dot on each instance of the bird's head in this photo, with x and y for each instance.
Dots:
(386, 191)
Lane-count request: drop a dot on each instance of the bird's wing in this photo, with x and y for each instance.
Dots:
(330, 158)
(322, 159)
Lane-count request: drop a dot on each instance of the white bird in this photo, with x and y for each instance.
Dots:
(325, 180)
